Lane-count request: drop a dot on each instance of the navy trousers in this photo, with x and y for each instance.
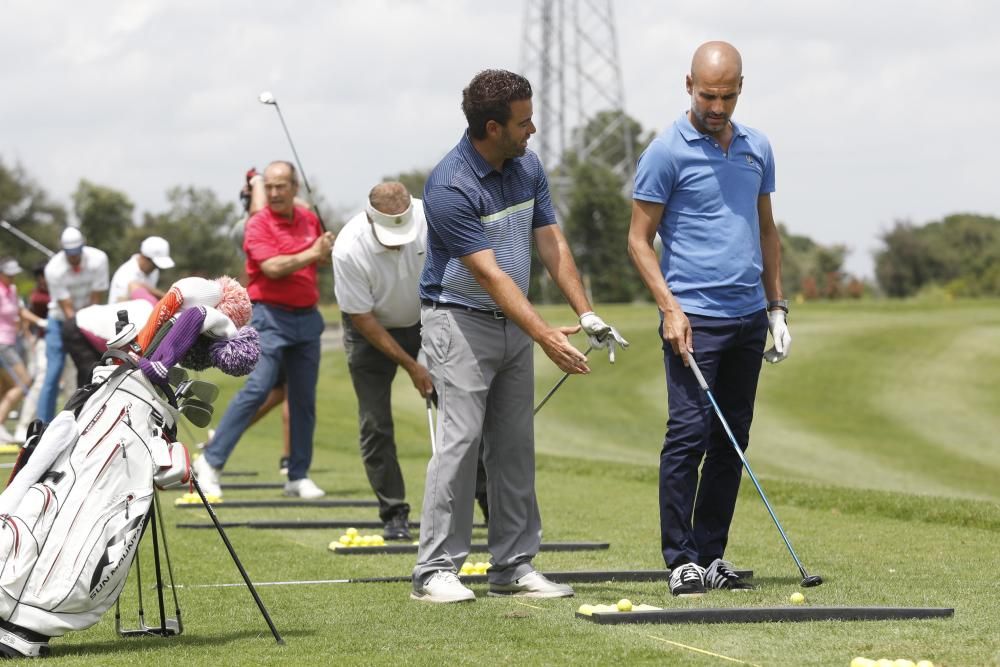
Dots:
(695, 514)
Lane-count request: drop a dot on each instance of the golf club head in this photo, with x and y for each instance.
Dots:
(811, 581)
(171, 627)
(266, 98)
(177, 375)
(203, 391)
(197, 412)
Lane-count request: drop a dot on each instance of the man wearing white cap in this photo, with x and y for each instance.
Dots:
(377, 262)
(138, 277)
(77, 277)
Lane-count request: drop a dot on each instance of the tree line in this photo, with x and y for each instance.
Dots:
(960, 253)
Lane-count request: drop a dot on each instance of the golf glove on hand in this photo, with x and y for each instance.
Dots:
(601, 335)
(779, 335)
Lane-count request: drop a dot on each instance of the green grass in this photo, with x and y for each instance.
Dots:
(876, 443)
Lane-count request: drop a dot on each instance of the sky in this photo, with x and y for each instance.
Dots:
(865, 103)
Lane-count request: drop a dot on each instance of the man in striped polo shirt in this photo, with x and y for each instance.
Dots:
(485, 203)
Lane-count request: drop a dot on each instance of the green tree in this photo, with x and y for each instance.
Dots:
(414, 181)
(597, 230)
(27, 207)
(199, 228)
(960, 253)
(105, 217)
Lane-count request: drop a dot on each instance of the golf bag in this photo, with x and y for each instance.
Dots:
(73, 513)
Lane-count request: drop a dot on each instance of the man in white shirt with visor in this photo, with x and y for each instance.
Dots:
(377, 262)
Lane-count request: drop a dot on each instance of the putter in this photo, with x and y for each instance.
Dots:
(27, 239)
(267, 98)
(808, 581)
(557, 385)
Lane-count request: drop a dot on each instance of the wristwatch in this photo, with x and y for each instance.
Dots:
(780, 304)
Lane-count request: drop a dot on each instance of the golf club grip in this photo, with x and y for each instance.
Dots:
(696, 370)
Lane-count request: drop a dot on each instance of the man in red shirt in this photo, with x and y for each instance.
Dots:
(284, 243)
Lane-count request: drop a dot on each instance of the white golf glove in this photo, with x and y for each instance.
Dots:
(601, 335)
(778, 327)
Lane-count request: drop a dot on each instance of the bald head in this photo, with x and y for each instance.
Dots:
(390, 198)
(716, 62)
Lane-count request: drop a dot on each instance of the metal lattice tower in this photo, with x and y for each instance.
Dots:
(570, 54)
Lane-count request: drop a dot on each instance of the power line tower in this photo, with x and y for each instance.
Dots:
(570, 53)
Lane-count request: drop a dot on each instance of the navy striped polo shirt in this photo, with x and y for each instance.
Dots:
(470, 207)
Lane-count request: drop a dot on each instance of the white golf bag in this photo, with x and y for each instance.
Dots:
(73, 515)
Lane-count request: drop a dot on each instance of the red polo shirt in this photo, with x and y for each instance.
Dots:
(268, 235)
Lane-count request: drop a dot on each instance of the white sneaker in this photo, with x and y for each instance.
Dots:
(6, 437)
(304, 488)
(532, 585)
(208, 477)
(442, 587)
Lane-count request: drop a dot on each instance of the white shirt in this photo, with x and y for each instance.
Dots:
(129, 273)
(77, 286)
(100, 320)
(370, 278)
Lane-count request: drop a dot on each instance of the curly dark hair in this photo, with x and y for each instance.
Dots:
(488, 97)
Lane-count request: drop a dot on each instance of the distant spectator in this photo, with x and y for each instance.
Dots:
(138, 277)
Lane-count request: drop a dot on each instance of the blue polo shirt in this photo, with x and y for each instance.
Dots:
(470, 206)
(710, 230)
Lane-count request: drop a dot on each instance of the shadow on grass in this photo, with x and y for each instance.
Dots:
(142, 645)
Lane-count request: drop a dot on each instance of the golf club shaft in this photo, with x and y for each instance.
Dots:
(27, 239)
(746, 464)
(236, 560)
(430, 423)
(305, 179)
(557, 385)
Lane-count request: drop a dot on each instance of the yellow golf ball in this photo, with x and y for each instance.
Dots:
(624, 605)
(345, 539)
(351, 531)
(797, 598)
(862, 662)
(585, 609)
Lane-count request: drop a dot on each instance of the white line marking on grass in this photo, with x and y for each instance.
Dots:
(269, 583)
(525, 604)
(701, 650)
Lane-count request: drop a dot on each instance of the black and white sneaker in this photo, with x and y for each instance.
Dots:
(687, 580)
(720, 574)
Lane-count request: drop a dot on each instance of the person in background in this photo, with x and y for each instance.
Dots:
(11, 314)
(284, 244)
(77, 276)
(139, 276)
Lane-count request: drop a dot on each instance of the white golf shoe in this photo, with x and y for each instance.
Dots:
(208, 477)
(443, 587)
(532, 585)
(303, 488)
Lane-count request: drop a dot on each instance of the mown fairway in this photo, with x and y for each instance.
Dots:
(876, 442)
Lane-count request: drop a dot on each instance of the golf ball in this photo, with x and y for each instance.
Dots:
(624, 605)
(797, 598)
(351, 532)
(862, 662)
(585, 609)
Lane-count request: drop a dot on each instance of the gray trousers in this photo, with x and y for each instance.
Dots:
(372, 374)
(483, 373)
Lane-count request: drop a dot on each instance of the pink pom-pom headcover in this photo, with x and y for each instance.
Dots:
(235, 355)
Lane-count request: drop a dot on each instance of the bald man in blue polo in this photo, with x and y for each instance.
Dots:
(486, 202)
(704, 185)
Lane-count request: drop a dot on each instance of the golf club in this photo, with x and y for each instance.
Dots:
(430, 423)
(808, 580)
(558, 384)
(267, 98)
(27, 239)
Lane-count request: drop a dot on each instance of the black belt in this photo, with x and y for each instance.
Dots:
(495, 314)
(287, 309)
